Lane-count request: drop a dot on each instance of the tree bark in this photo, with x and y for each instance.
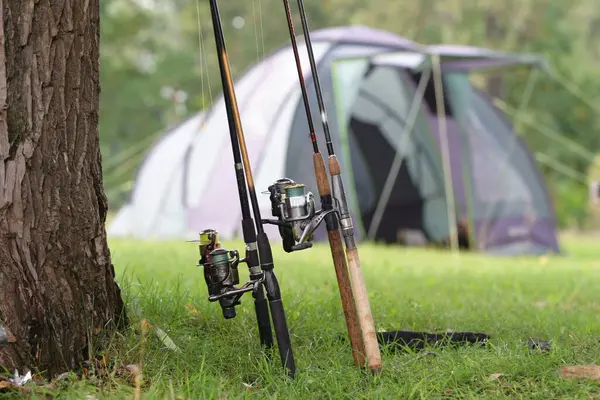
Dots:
(57, 283)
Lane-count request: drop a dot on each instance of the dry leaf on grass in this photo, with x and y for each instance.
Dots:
(193, 310)
(250, 387)
(131, 371)
(591, 372)
(166, 340)
(145, 326)
(162, 335)
(494, 377)
(540, 304)
(5, 386)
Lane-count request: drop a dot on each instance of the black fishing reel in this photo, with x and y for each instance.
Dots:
(296, 214)
(221, 273)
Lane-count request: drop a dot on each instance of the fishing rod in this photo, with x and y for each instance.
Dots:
(358, 283)
(220, 265)
(327, 212)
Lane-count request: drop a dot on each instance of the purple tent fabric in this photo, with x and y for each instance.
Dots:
(499, 234)
(455, 153)
(463, 58)
(358, 34)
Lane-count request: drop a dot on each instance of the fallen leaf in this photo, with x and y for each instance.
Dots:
(494, 377)
(539, 304)
(6, 385)
(250, 387)
(133, 369)
(448, 390)
(101, 362)
(166, 340)
(130, 371)
(195, 312)
(591, 372)
(146, 326)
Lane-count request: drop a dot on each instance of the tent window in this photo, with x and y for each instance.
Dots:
(429, 97)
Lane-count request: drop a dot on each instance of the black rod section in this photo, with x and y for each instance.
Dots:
(315, 76)
(262, 242)
(311, 126)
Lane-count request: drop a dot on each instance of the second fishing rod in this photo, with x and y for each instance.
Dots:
(331, 222)
(359, 289)
(256, 240)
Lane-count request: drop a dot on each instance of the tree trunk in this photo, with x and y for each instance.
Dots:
(57, 283)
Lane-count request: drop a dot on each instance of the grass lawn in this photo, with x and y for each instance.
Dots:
(511, 299)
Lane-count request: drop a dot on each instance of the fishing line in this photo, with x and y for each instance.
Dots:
(255, 30)
(203, 57)
(262, 32)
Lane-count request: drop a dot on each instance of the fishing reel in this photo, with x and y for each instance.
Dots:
(297, 217)
(221, 273)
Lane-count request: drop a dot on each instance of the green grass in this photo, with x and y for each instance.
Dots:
(511, 299)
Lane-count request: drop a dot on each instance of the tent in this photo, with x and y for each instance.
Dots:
(417, 156)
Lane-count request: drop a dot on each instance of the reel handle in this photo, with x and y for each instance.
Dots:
(235, 255)
(301, 246)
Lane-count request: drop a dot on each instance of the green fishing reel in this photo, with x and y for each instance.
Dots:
(221, 273)
(297, 217)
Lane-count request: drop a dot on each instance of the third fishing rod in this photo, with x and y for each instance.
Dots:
(358, 283)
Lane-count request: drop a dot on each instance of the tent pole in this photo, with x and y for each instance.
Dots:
(342, 106)
(398, 157)
(450, 200)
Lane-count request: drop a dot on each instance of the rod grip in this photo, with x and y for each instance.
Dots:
(321, 175)
(334, 165)
(345, 286)
(363, 310)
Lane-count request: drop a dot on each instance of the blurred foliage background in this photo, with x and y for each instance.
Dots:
(154, 73)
